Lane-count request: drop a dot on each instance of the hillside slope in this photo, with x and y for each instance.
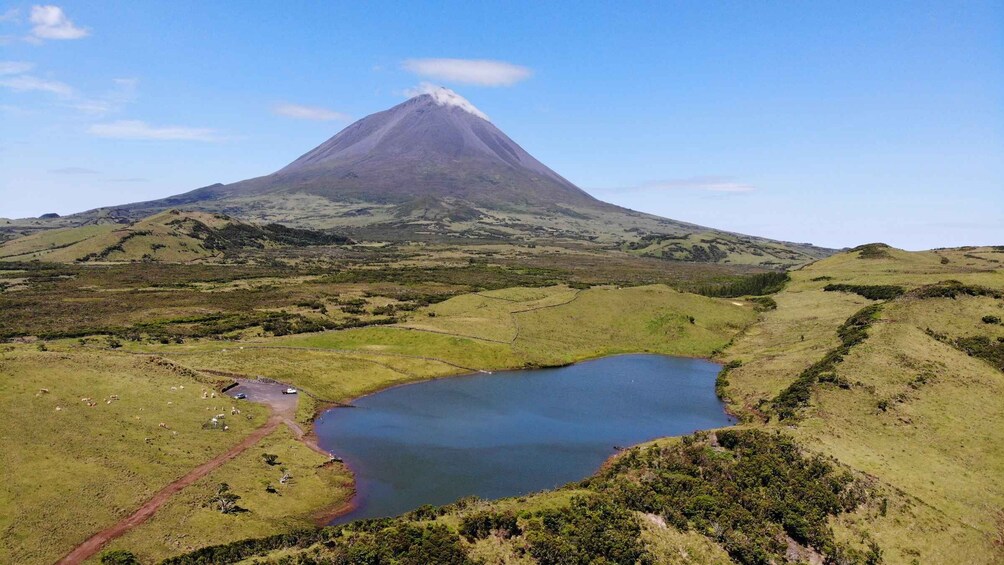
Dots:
(170, 236)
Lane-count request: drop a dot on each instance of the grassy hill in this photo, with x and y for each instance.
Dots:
(902, 422)
(170, 236)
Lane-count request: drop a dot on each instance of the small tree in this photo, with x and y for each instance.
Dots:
(270, 458)
(225, 501)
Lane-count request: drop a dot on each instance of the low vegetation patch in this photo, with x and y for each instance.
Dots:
(750, 285)
(797, 395)
(873, 251)
(954, 289)
(869, 291)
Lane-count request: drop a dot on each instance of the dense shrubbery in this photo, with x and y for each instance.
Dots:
(873, 251)
(746, 494)
(954, 289)
(852, 332)
(869, 291)
(481, 524)
(593, 529)
(749, 285)
(983, 347)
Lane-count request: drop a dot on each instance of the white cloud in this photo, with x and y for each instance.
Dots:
(136, 129)
(28, 83)
(50, 22)
(14, 67)
(122, 93)
(445, 97)
(725, 185)
(309, 113)
(481, 72)
(10, 15)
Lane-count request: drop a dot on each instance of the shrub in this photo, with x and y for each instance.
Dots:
(118, 557)
(757, 284)
(479, 525)
(991, 319)
(869, 291)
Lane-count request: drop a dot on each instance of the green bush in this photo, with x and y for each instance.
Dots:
(869, 291)
(118, 557)
(479, 525)
(749, 285)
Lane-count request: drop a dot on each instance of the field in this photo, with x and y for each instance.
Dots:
(910, 410)
(152, 337)
(919, 416)
(84, 441)
(906, 403)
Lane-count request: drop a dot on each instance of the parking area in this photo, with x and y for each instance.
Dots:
(267, 393)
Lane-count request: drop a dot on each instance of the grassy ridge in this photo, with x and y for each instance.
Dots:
(919, 416)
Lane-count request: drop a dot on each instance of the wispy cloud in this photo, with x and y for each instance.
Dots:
(137, 129)
(15, 67)
(480, 72)
(705, 183)
(50, 22)
(29, 83)
(122, 93)
(309, 113)
(74, 171)
(10, 15)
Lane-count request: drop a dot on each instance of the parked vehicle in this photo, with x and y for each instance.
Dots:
(289, 390)
(240, 396)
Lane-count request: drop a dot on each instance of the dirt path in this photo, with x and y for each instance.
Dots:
(87, 549)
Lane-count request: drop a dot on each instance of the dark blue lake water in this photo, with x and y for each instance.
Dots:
(512, 432)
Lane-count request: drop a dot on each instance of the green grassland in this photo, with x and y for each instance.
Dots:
(186, 522)
(171, 236)
(911, 414)
(920, 417)
(907, 419)
(116, 474)
(83, 443)
(507, 329)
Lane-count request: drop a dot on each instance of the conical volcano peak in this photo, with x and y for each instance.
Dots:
(443, 96)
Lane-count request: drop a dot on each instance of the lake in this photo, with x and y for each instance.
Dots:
(512, 432)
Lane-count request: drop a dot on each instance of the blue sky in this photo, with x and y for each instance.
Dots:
(835, 123)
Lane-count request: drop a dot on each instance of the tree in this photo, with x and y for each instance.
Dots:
(270, 458)
(224, 500)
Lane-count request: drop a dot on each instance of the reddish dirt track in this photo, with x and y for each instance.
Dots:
(87, 549)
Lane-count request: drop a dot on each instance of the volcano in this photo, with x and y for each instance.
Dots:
(434, 147)
(435, 166)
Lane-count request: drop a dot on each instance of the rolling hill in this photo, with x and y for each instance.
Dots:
(171, 236)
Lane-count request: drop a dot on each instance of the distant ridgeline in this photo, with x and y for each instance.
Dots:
(172, 236)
